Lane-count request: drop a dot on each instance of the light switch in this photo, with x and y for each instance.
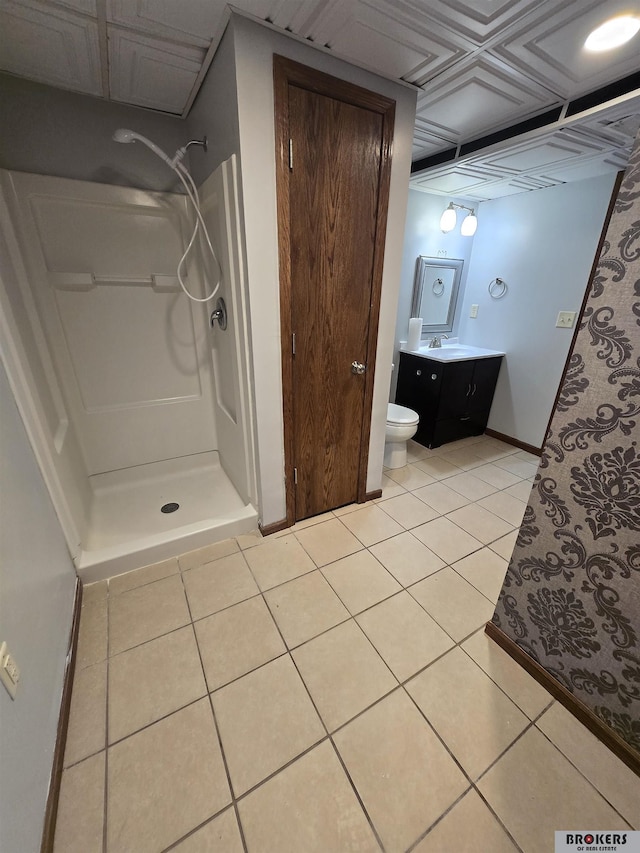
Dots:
(565, 320)
(474, 312)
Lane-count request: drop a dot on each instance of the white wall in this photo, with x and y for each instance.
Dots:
(50, 132)
(423, 237)
(255, 46)
(542, 243)
(37, 580)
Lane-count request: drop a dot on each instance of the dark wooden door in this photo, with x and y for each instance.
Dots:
(333, 190)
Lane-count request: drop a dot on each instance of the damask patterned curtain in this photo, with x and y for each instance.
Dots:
(571, 596)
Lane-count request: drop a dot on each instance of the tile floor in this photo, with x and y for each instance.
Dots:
(330, 689)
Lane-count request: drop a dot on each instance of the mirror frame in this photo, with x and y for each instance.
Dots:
(423, 264)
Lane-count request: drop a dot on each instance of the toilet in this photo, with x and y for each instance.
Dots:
(402, 424)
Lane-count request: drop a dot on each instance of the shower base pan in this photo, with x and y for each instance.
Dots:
(129, 529)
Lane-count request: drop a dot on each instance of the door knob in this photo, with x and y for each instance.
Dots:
(358, 367)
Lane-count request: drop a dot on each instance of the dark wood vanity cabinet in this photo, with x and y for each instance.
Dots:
(452, 398)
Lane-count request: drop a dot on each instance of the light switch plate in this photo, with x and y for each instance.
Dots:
(9, 671)
(565, 320)
(474, 312)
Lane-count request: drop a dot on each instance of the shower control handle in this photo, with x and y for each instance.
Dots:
(220, 314)
(358, 367)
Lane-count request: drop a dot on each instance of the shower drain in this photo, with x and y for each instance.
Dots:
(172, 507)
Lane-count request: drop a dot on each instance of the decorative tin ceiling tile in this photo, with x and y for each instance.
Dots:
(481, 96)
(62, 49)
(552, 48)
(140, 66)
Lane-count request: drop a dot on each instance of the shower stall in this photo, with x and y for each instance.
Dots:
(139, 409)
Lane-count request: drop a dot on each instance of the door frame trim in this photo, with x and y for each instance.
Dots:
(286, 72)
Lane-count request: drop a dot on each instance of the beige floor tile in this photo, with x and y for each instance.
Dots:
(473, 717)
(464, 458)
(406, 558)
(220, 835)
(473, 488)
(92, 635)
(305, 607)
(534, 791)
(145, 613)
(94, 593)
(479, 522)
(390, 489)
(455, 605)
(371, 525)
(80, 821)
(528, 457)
(251, 539)
(446, 539)
(408, 510)
(521, 490)
(164, 781)
(276, 817)
(86, 733)
(139, 577)
(220, 584)
(360, 580)
(280, 560)
(516, 682)
(496, 476)
(411, 476)
(416, 452)
(614, 780)
(492, 452)
(405, 636)
(504, 506)
(468, 828)
(328, 541)
(237, 640)
(343, 672)
(200, 556)
(485, 570)
(403, 774)
(516, 466)
(437, 467)
(265, 719)
(153, 680)
(348, 508)
(505, 545)
(441, 498)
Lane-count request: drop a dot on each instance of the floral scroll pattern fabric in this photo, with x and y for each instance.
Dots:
(571, 596)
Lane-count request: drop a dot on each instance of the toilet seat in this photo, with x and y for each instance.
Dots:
(401, 415)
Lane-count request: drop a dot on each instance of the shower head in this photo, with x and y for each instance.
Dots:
(123, 134)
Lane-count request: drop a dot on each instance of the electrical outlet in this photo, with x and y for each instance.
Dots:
(565, 320)
(9, 671)
(474, 312)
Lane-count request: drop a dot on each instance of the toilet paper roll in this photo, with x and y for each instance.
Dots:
(415, 331)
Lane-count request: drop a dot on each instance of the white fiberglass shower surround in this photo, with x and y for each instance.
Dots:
(133, 403)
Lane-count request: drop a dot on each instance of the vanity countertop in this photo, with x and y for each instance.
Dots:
(453, 352)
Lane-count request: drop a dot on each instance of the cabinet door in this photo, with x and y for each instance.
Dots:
(456, 388)
(419, 383)
(483, 383)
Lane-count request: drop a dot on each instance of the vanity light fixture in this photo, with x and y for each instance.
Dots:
(449, 218)
(613, 33)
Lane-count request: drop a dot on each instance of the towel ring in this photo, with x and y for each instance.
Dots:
(497, 288)
(438, 287)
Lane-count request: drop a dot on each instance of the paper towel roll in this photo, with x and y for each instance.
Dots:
(415, 331)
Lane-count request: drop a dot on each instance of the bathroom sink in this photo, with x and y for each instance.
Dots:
(456, 352)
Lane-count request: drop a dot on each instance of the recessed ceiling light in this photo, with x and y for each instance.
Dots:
(613, 33)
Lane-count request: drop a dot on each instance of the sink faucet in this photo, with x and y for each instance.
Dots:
(436, 342)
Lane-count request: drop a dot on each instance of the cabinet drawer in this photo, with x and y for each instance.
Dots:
(419, 382)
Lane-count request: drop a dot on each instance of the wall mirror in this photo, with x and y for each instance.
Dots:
(435, 291)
